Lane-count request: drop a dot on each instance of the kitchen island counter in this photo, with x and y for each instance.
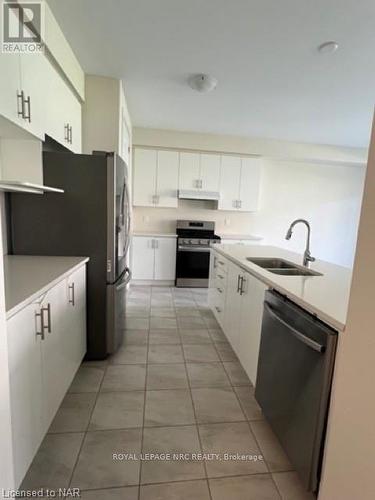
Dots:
(325, 296)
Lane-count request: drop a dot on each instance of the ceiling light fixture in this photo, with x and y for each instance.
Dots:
(328, 47)
(202, 82)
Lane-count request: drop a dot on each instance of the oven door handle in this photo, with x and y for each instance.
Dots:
(192, 249)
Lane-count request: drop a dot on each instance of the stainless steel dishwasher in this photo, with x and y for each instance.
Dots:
(296, 358)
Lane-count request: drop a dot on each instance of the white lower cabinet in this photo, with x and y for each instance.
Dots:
(153, 258)
(26, 388)
(46, 342)
(233, 306)
(241, 311)
(250, 324)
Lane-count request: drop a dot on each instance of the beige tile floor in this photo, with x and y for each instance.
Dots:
(175, 386)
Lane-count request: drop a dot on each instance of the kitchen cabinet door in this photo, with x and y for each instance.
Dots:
(26, 387)
(35, 74)
(250, 184)
(75, 338)
(167, 179)
(56, 371)
(10, 87)
(73, 114)
(189, 171)
(145, 167)
(233, 306)
(165, 259)
(251, 324)
(229, 182)
(143, 256)
(210, 172)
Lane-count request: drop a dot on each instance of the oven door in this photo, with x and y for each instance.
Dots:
(192, 266)
(116, 311)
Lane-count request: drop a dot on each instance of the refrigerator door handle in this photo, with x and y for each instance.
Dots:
(300, 336)
(125, 281)
(129, 218)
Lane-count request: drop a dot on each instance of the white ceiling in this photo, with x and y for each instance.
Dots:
(272, 81)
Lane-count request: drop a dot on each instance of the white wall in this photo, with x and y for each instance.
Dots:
(329, 197)
(349, 462)
(326, 191)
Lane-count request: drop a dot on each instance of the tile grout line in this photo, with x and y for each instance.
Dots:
(88, 424)
(196, 421)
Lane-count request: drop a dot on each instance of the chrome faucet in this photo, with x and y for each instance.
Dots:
(307, 257)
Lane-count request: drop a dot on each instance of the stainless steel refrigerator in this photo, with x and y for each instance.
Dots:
(92, 218)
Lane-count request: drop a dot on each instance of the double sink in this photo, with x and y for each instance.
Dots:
(281, 266)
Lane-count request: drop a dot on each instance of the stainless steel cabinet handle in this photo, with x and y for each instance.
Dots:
(66, 132)
(21, 100)
(200, 183)
(28, 115)
(215, 262)
(47, 309)
(221, 262)
(299, 335)
(238, 283)
(39, 315)
(219, 290)
(72, 295)
(242, 291)
(220, 276)
(239, 203)
(156, 243)
(218, 309)
(71, 134)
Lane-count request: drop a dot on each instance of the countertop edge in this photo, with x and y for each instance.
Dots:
(337, 325)
(15, 309)
(156, 235)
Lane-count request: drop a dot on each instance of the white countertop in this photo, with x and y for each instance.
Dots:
(247, 237)
(326, 296)
(156, 235)
(27, 277)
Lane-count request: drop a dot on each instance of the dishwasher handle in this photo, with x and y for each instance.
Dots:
(299, 335)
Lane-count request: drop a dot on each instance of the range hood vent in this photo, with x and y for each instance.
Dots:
(186, 194)
(27, 187)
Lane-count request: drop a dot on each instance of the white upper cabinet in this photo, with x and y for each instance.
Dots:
(189, 171)
(167, 178)
(239, 184)
(35, 69)
(250, 184)
(155, 178)
(10, 87)
(199, 172)
(210, 172)
(64, 120)
(145, 164)
(229, 182)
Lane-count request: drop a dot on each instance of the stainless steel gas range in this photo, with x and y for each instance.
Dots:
(193, 252)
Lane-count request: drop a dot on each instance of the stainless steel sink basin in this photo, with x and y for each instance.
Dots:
(270, 263)
(294, 272)
(281, 266)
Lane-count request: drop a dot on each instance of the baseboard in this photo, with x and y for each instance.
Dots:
(153, 282)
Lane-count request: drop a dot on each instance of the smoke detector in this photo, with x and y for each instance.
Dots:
(202, 83)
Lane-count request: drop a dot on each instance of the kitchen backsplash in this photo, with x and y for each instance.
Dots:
(163, 220)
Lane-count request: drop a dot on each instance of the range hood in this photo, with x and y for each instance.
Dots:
(27, 187)
(186, 194)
